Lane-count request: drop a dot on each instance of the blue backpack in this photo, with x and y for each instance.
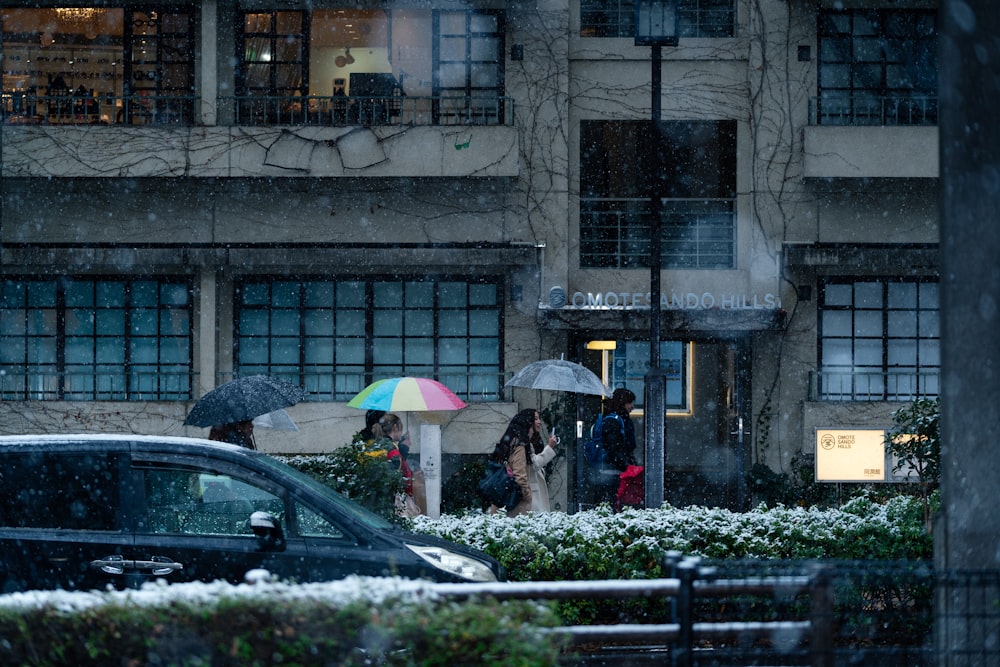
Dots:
(593, 446)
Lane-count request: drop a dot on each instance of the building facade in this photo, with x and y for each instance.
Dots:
(335, 194)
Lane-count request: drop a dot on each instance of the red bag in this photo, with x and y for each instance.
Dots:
(632, 488)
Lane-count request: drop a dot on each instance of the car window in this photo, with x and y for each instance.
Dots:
(311, 524)
(69, 491)
(186, 501)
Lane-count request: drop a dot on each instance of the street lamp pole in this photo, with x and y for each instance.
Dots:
(655, 26)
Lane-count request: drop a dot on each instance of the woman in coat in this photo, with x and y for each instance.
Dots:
(515, 450)
(542, 454)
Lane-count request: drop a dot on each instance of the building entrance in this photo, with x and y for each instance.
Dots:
(706, 448)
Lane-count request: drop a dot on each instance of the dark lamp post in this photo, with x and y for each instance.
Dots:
(655, 26)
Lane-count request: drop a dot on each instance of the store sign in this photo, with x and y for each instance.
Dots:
(854, 455)
(674, 301)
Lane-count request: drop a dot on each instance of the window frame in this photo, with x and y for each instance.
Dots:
(921, 378)
(366, 319)
(857, 46)
(627, 164)
(56, 322)
(692, 19)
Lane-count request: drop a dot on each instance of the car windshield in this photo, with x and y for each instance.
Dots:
(343, 503)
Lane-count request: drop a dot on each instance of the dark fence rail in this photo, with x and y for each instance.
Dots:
(815, 614)
(845, 108)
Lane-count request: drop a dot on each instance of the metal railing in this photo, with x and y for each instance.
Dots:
(367, 110)
(27, 109)
(853, 385)
(697, 233)
(19, 108)
(818, 613)
(93, 385)
(833, 108)
(163, 385)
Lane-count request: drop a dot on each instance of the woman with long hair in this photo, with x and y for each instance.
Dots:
(515, 450)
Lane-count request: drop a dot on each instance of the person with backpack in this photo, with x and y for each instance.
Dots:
(617, 444)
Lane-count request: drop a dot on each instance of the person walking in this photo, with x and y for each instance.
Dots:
(618, 439)
(542, 454)
(236, 433)
(516, 451)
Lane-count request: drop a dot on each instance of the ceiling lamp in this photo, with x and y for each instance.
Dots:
(78, 15)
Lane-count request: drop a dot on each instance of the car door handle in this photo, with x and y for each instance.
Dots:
(156, 565)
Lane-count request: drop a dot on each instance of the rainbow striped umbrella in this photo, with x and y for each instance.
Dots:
(406, 394)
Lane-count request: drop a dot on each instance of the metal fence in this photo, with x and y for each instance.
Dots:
(836, 107)
(864, 385)
(820, 614)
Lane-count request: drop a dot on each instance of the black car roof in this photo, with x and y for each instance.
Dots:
(119, 442)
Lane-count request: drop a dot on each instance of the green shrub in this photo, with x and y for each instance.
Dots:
(602, 544)
(369, 480)
(223, 626)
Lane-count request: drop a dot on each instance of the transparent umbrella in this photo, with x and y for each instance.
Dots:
(558, 375)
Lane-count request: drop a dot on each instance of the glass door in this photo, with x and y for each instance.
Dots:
(706, 446)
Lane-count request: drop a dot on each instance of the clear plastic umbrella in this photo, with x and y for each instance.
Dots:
(558, 375)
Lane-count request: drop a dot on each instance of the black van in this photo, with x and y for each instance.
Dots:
(91, 511)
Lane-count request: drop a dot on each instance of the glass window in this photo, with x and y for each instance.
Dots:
(98, 65)
(187, 501)
(695, 18)
(348, 334)
(877, 67)
(628, 364)
(87, 339)
(688, 166)
(874, 344)
(312, 524)
(76, 492)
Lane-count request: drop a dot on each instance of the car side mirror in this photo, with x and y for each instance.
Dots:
(267, 528)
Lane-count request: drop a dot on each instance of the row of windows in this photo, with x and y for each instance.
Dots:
(341, 335)
(131, 339)
(105, 65)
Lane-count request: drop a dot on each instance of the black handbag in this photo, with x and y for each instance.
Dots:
(499, 487)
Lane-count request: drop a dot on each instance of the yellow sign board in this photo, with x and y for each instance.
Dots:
(850, 455)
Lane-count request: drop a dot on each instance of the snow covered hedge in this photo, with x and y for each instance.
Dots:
(359, 621)
(364, 621)
(600, 544)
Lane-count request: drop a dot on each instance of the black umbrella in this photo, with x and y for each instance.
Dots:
(243, 399)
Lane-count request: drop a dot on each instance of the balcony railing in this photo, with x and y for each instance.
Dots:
(848, 385)
(18, 108)
(835, 108)
(83, 385)
(697, 233)
(348, 111)
(25, 109)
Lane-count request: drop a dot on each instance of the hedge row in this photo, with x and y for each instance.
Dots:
(359, 622)
(602, 544)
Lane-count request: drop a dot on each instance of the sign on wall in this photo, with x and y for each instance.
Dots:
(850, 455)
